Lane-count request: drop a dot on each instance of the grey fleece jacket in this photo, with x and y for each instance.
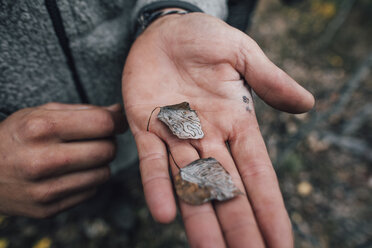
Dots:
(34, 68)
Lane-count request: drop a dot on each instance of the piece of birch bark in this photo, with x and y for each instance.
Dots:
(204, 180)
(182, 121)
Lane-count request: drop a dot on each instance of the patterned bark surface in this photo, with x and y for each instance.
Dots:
(204, 180)
(182, 121)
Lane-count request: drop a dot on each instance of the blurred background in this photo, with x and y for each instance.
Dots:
(323, 158)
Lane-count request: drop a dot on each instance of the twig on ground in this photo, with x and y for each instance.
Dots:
(335, 24)
(363, 115)
(319, 118)
(353, 145)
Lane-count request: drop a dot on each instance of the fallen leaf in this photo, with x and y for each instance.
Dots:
(43, 243)
(182, 121)
(2, 219)
(204, 180)
(4, 243)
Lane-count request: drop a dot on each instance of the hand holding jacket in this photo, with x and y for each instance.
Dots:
(54, 156)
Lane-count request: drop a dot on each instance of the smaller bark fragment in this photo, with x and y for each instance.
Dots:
(204, 180)
(182, 121)
(191, 193)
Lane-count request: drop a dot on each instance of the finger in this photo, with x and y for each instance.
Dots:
(119, 117)
(54, 189)
(65, 106)
(201, 224)
(236, 217)
(250, 155)
(61, 158)
(155, 176)
(66, 203)
(79, 124)
(117, 107)
(271, 83)
(114, 108)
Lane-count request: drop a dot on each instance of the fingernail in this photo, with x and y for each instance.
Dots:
(84, 107)
(114, 107)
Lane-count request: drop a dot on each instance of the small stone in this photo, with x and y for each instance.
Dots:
(315, 144)
(304, 188)
(96, 228)
(291, 127)
(302, 117)
(296, 217)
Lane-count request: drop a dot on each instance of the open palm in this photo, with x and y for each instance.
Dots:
(201, 60)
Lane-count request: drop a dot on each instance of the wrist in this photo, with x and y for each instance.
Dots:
(147, 18)
(160, 10)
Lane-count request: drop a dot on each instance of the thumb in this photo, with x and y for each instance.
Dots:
(269, 82)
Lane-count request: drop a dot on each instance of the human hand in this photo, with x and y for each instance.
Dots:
(55, 156)
(200, 59)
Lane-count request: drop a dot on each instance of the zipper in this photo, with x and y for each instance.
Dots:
(59, 29)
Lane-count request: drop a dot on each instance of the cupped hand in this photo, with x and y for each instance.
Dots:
(202, 60)
(55, 156)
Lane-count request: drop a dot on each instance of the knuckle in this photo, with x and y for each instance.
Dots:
(105, 122)
(267, 207)
(34, 170)
(106, 153)
(42, 194)
(36, 127)
(257, 170)
(109, 151)
(55, 162)
(36, 195)
(152, 157)
(39, 163)
(239, 224)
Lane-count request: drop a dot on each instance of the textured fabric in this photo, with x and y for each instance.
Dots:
(240, 13)
(33, 67)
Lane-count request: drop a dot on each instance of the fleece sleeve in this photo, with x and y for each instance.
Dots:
(217, 8)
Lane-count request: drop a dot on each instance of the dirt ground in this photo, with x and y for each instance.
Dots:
(323, 159)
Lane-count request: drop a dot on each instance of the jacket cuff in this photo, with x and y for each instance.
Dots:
(2, 116)
(217, 8)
